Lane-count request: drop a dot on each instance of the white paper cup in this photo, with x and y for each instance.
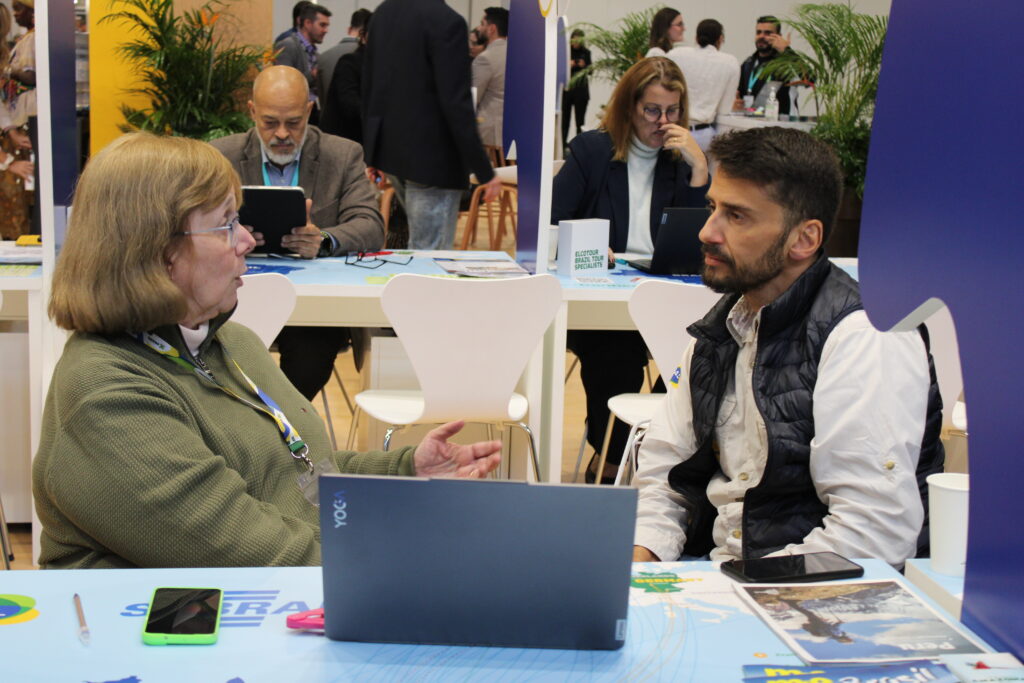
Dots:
(947, 512)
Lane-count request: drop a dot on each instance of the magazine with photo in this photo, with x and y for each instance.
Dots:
(856, 621)
(481, 267)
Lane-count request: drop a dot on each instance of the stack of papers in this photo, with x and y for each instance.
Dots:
(489, 268)
(9, 253)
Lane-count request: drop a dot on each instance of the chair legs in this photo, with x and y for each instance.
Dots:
(344, 391)
(5, 540)
(636, 434)
(579, 457)
(533, 448)
(353, 430)
(604, 449)
(327, 417)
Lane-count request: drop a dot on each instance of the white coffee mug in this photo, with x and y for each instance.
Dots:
(947, 513)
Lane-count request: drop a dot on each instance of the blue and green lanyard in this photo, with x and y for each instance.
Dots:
(309, 480)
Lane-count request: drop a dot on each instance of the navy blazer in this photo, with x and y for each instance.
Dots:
(419, 122)
(592, 185)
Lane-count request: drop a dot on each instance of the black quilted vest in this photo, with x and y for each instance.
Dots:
(784, 507)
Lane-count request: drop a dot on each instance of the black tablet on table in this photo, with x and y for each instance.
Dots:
(273, 211)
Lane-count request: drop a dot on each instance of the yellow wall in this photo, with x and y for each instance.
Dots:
(109, 75)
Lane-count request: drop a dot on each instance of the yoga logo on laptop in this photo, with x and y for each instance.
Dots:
(340, 511)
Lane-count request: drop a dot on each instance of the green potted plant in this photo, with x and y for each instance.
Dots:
(622, 47)
(844, 60)
(194, 82)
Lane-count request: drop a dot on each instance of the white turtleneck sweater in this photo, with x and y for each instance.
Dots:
(640, 163)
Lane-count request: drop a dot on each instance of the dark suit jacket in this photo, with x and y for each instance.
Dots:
(332, 174)
(342, 113)
(418, 118)
(592, 185)
(294, 55)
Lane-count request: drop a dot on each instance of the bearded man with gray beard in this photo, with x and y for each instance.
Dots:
(341, 209)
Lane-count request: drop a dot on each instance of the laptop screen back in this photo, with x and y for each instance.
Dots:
(457, 562)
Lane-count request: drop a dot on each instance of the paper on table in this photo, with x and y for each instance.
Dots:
(9, 253)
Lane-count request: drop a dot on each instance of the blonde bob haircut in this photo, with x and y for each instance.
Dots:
(132, 202)
(618, 117)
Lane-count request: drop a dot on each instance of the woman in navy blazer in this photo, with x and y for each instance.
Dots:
(641, 160)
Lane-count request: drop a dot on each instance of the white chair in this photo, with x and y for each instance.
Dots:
(265, 302)
(468, 342)
(662, 310)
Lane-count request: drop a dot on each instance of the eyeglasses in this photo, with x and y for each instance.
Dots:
(230, 227)
(653, 114)
(373, 259)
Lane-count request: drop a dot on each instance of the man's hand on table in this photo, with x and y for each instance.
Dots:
(642, 554)
(304, 240)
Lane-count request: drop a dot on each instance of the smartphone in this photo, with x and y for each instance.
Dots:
(183, 616)
(793, 568)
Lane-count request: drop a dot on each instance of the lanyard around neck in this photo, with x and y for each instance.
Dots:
(295, 174)
(297, 447)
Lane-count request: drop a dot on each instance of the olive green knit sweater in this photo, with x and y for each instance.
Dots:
(143, 463)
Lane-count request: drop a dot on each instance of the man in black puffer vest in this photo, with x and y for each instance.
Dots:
(791, 425)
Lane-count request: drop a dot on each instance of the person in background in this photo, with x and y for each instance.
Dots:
(419, 123)
(666, 31)
(641, 160)
(342, 215)
(713, 77)
(354, 37)
(18, 95)
(299, 50)
(296, 11)
(489, 76)
(477, 43)
(344, 101)
(169, 436)
(795, 426)
(16, 166)
(769, 43)
(575, 99)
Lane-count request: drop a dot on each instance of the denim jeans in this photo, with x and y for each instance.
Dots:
(433, 213)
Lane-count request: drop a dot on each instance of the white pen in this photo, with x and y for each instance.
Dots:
(83, 628)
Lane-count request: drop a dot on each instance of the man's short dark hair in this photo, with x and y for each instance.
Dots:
(797, 170)
(297, 10)
(360, 19)
(770, 19)
(498, 16)
(310, 11)
(708, 32)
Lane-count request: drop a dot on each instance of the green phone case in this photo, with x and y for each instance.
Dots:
(150, 638)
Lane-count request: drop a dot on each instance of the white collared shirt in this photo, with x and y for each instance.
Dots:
(870, 404)
(711, 80)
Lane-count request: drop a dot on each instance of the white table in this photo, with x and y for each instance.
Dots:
(23, 301)
(333, 293)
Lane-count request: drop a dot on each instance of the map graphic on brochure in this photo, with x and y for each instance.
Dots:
(856, 621)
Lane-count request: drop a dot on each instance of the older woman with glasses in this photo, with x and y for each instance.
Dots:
(170, 437)
(641, 160)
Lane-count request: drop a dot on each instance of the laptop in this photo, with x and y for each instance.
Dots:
(676, 246)
(476, 562)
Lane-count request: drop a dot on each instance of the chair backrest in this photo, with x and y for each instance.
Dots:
(662, 310)
(946, 352)
(469, 340)
(265, 302)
